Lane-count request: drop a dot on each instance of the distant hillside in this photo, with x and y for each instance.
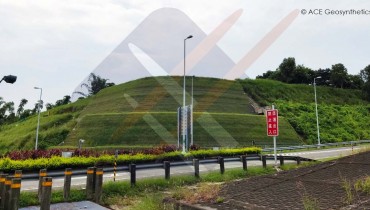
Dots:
(343, 114)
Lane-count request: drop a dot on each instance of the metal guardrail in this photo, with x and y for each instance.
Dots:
(60, 173)
(316, 145)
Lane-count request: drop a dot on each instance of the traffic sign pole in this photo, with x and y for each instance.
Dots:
(272, 120)
(275, 155)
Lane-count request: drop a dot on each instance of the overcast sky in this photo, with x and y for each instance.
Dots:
(55, 44)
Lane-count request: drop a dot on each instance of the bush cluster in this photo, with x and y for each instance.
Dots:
(57, 162)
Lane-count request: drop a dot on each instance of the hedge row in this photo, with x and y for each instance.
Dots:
(55, 162)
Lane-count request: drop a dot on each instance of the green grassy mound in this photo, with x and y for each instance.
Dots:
(210, 130)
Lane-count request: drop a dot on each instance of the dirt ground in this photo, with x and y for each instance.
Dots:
(322, 183)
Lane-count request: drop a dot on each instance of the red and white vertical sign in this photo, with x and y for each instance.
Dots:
(272, 120)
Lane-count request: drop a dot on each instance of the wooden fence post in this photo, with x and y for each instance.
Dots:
(42, 174)
(98, 184)
(18, 174)
(47, 183)
(281, 160)
(15, 191)
(67, 183)
(222, 164)
(8, 183)
(2, 190)
(167, 169)
(132, 174)
(244, 161)
(196, 167)
(90, 184)
(264, 161)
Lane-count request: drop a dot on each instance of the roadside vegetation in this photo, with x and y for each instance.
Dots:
(57, 162)
(343, 113)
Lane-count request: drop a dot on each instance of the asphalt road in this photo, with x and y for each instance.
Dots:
(79, 181)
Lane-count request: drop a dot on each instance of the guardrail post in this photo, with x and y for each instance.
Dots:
(167, 165)
(222, 164)
(67, 183)
(264, 161)
(47, 183)
(281, 158)
(98, 184)
(2, 189)
(8, 182)
(42, 174)
(90, 183)
(132, 174)
(196, 167)
(15, 191)
(18, 174)
(243, 158)
(298, 160)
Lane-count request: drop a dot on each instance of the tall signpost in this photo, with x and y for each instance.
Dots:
(184, 127)
(272, 119)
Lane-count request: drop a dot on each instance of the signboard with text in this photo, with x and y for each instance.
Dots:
(272, 120)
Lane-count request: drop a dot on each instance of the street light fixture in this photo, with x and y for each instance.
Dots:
(317, 114)
(9, 79)
(192, 106)
(183, 110)
(80, 142)
(38, 118)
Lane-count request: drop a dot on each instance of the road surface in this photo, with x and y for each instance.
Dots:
(79, 181)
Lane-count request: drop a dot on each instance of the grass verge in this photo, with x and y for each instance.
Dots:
(121, 192)
(150, 192)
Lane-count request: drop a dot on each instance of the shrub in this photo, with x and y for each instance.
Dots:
(51, 159)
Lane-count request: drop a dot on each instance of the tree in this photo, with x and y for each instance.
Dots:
(287, 69)
(94, 84)
(339, 75)
(354, 82)
(6, 111)
(49, 106)
(40, 104)
(20, 109)
(302, 75)
(365, 76)
(66, 100)
(325, 75)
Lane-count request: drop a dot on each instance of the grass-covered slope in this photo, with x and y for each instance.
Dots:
(265, 92)
(343, 114)
(210, 129)
(143, 113)
(55, 125)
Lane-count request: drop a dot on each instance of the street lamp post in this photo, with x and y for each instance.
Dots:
(38, 118)
(183, 110)
(317, 114)
(192, 106)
